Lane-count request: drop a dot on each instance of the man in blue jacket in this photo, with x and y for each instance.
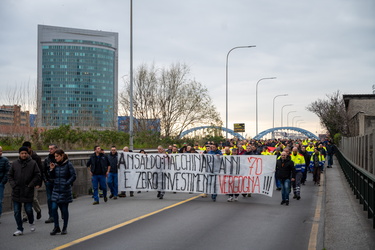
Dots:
(100, 167)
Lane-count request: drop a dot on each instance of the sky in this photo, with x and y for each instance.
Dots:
(313, 48)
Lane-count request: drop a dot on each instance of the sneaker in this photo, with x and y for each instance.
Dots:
(282, 202)
(18, 232)
(64, 231)
(50, 220)
(122, 195)
(244, 195)
(32, 227)
(105, 199)
(24, 220)
(287, 202)
(38, 215)
(236, 198)
(230, 199)
(55, 231)
(158, 195)
(111, 196)
(95, 203)
(131, 194)
(298, 197)
(161, 196)
(115, 197)
(248, 195)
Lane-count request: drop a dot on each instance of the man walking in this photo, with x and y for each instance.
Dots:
(100, 167)
(48, 180)
(285, 172)
(38, 161)
(24, 177)
(112, 180)
(4, 169)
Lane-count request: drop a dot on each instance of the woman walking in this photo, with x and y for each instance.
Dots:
(63, 174)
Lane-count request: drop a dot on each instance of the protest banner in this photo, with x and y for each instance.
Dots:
(197, 173)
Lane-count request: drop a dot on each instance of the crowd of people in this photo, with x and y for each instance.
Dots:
(295, 158)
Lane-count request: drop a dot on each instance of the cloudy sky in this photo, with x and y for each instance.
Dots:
(314, 48)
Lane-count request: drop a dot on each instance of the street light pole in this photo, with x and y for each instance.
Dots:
(256, 100)
(293, 119)
(273, 109)
(131, 78)
(287, 117)
(297, 122)
(282, 112)
(226, 85)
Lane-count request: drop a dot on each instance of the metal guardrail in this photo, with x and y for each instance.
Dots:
(362, 183)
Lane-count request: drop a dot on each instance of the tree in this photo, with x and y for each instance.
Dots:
(169, 95)
(332, 113)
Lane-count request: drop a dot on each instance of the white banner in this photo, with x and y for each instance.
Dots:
(197, 173)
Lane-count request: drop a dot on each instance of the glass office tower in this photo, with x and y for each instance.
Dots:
(77, 78)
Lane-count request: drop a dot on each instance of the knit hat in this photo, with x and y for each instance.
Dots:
(23, 148)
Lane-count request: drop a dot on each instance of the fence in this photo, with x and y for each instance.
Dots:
(356, 158)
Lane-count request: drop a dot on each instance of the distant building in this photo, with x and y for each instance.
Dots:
(77, 78)
(361, 113)
(13, 121)
(139, 124)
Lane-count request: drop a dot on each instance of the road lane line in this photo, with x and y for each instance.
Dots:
(317, 217)
(122, 224)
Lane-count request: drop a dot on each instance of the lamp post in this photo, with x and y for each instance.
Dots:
(226, 85)
(293, 119)
(256, 98)
(131, 78)
(273, 109)
(282, 112)
(287, 117)
(297, 122)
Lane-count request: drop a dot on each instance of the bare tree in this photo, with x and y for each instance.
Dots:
(169, 95)
(332, 113)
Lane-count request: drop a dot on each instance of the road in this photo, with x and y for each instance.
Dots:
(145, 222)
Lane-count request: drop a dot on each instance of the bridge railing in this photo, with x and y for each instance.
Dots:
(362, 183)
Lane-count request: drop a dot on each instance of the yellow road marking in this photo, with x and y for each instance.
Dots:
(315, 225)
(122, 224)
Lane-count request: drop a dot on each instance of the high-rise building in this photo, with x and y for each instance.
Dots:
(77, 78)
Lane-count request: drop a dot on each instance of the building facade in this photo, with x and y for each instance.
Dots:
(77, 78)
(361, 113)
(13, 121)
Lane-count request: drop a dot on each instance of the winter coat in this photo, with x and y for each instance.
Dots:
(46, 173)
(103, 163)
(113, 162)
(285, 169)
(4, 169)
(23, 176)
(63, 176)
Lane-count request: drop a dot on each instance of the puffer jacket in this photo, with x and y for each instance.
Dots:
(63, 176)
(23, 176)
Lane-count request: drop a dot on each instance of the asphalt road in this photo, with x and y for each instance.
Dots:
(257, 222)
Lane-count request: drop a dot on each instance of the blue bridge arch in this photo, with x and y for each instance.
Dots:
(205, 127)
(300, 130)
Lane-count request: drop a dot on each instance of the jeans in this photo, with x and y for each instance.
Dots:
(297, 184)
(278, 185)
(96, 181)
(17, 206)
(49, 188)
(64, 213)
(2, 186)
(285, 189)
(112, 182)
(330, 160)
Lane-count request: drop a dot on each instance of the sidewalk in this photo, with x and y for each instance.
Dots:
(346, 224)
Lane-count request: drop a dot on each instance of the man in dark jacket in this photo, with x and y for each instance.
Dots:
(38, 161)
(100, 167)
(24, 177)
(48, 181)
(4, 169)
(285, 172)
(112, 179)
